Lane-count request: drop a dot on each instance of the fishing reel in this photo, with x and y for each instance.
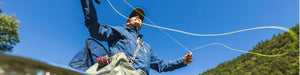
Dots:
(104, 60)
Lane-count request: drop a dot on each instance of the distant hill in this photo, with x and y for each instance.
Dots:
(250, 64)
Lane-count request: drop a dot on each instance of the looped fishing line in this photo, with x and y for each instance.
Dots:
(147, 24)
(293, 34)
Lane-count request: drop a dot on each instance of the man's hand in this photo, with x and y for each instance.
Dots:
(188, 58)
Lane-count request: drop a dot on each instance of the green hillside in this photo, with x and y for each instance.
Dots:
(250, 64)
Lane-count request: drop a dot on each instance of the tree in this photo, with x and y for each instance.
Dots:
(249, 64)
(9, 33)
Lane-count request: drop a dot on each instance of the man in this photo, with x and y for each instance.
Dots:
(124, 39)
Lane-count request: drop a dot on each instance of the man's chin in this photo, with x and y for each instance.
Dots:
(139, 28)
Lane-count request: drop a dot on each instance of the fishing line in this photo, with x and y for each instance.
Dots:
(293, 34)
(149, 24)
(158, 28)
(239, 50)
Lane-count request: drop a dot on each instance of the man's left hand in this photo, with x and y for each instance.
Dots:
(188, 58)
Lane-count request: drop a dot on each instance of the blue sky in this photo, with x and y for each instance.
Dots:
(54, 30)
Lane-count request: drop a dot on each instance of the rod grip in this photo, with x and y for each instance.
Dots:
(97, 1)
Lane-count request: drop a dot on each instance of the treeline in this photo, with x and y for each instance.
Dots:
(250, 64)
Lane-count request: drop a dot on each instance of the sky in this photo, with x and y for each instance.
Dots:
(54, 31)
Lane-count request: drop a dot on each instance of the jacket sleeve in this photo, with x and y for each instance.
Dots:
(164, 66)
(97, 31)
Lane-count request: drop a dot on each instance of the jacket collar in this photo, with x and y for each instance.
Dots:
(135, 30)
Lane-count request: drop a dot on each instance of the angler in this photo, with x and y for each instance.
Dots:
(126, 46)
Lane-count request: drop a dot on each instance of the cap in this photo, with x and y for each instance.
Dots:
(137, 12)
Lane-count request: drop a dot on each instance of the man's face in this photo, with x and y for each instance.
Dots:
(135, 21)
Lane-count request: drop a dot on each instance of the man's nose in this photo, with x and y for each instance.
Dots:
(138, 17)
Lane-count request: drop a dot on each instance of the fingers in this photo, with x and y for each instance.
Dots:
(191, 60)
(190, 56)
(190, 53)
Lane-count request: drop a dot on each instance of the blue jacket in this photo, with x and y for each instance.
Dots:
(124, 39)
